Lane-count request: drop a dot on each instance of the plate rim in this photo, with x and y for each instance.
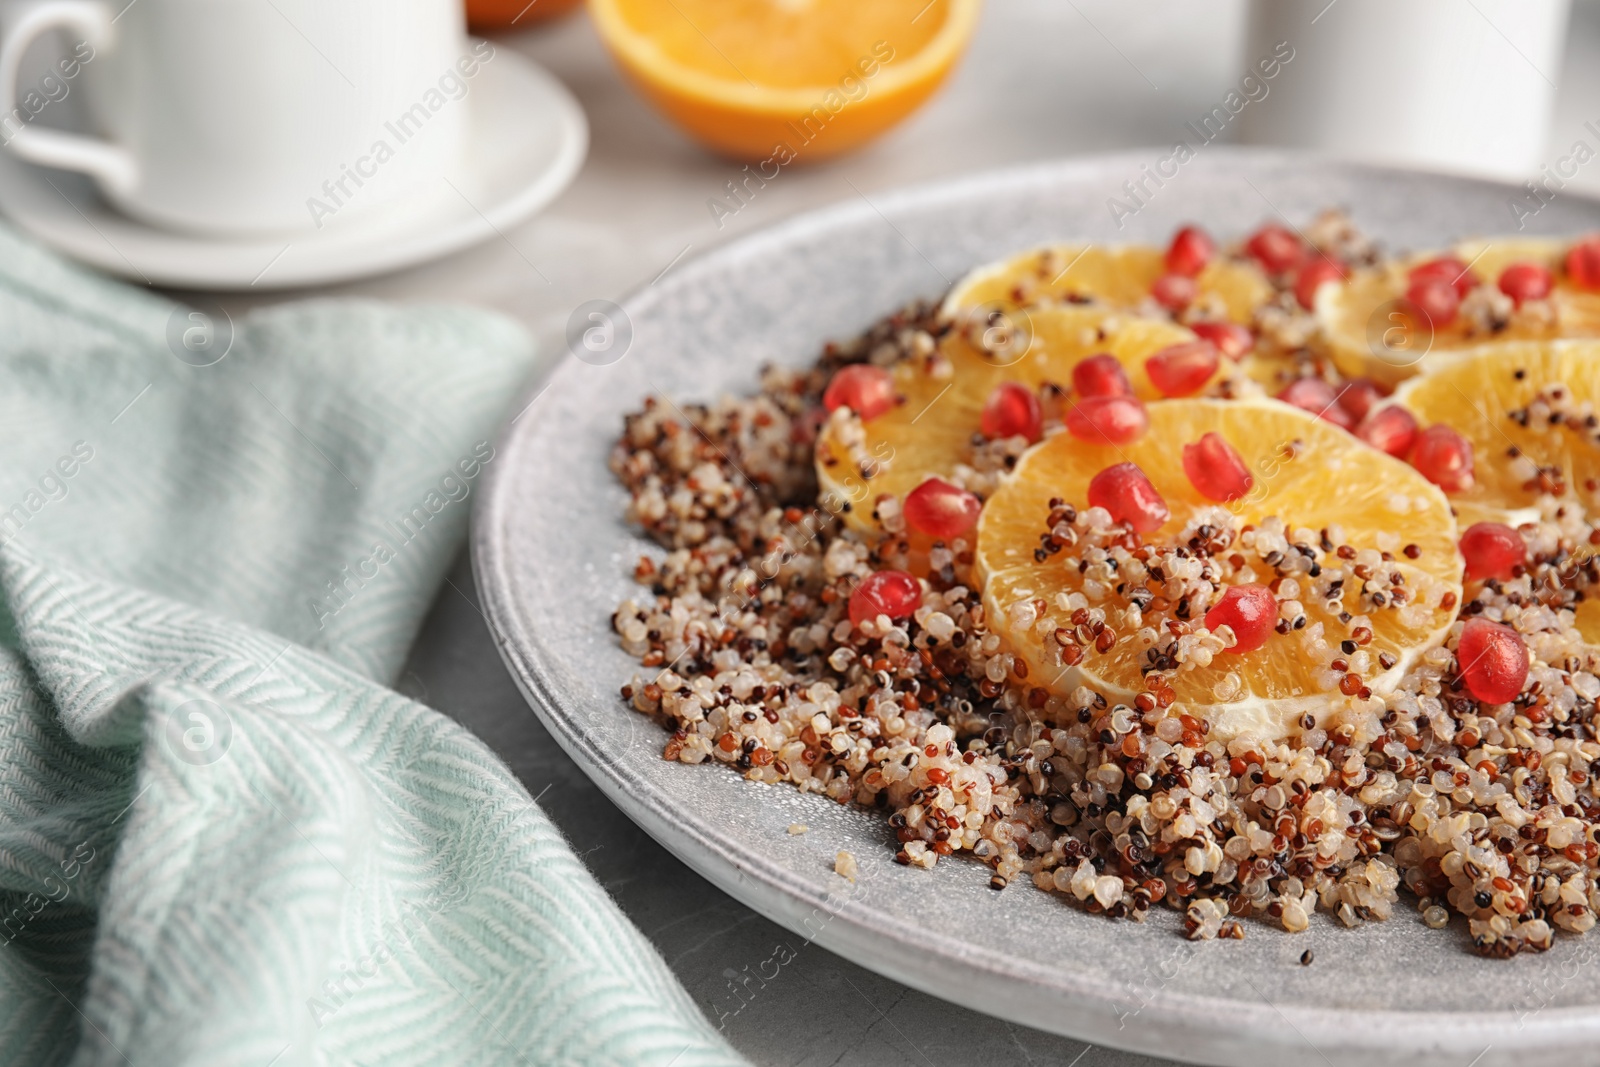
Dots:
(1253, 1032)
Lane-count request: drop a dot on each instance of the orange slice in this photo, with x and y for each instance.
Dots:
(1588, 619)
(1369, 333)
(1483, 393)
(1309, 475)
(772, 81)
(930, 432)
(1118, 275)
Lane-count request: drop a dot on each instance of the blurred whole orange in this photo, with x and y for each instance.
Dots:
(485, 15)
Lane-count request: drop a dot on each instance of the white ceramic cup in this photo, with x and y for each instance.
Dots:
(242, 116)
(1467, 87)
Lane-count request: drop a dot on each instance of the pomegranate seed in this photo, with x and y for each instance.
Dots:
(1215, 468)
(1358, 395)
(1101, 375)
(1124, 491)
(1314, 276)
(1445, 269)
(1583, 263)
(1232, 340)
(941, 510)
(1390, 429)
(1174, 291)
(1437, 300)
(1443, 457)
(1012, 410)
(1117, 419)
(1494, 660)
(1317, 397)
(892, 593)
(1182, 369)
(1251, 610)
(1526, 281)
(864, 389)
(1276, 248)
(1491, 549)
(1191, 249)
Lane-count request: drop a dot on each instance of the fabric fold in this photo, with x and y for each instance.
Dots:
(222, 839)
(289, 861)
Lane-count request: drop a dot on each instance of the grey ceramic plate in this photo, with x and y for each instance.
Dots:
(553, 558)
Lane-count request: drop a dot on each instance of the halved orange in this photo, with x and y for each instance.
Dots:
(1308, 474)
(773, 81)
(1482, 395)
(1116, 275)
(929, 433)
(1370, 333)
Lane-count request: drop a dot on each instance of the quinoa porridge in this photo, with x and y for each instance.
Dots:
(1198, 602)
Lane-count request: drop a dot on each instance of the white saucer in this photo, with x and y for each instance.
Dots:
(527, 137)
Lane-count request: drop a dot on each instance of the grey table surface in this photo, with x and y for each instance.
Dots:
(1044, 79)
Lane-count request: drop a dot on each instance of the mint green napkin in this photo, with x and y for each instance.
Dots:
(222, 840)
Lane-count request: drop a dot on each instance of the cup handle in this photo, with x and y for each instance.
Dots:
(112, 165)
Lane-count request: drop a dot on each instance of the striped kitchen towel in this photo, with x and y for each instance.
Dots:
(222, 839)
